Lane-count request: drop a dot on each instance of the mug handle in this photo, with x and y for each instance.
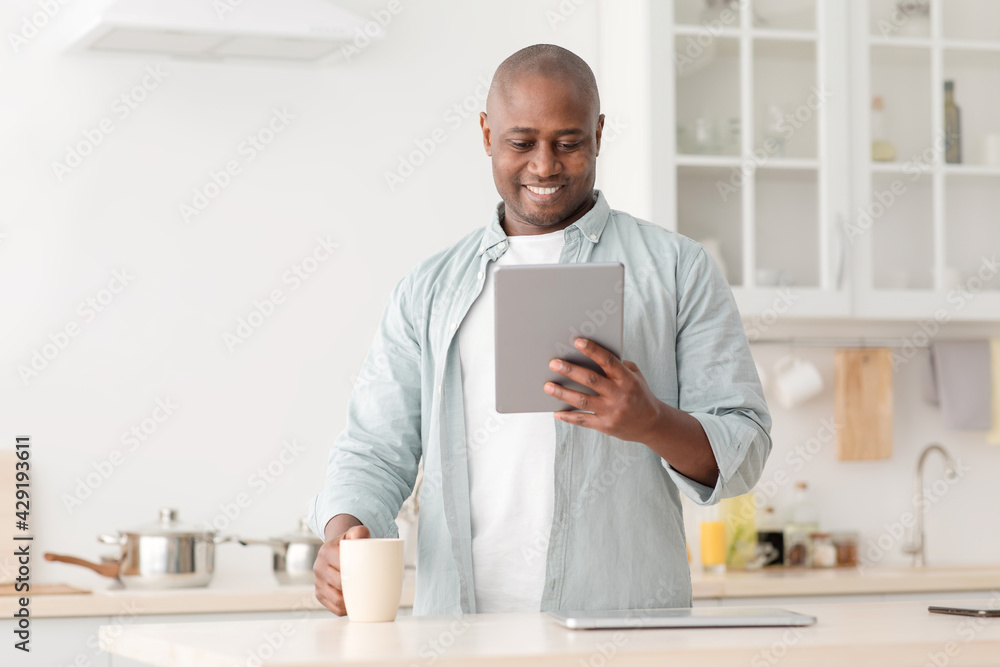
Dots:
(784, 364)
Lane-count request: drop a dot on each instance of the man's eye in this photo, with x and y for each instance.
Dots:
(569, 147)
(521, 145)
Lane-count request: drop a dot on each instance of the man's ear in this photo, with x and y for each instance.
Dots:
(483, 123)
(600, 131)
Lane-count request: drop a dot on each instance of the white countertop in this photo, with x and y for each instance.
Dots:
(783, 581)
(266, 595)
(882, 634)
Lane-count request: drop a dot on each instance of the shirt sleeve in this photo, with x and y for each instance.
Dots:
(718, 383)
(373, 463)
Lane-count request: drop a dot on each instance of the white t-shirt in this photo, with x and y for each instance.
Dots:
(511, 457)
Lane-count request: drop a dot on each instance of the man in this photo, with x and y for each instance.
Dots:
(540, 511)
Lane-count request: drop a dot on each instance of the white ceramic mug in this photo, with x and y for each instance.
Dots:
(371, 575)
(796, 381)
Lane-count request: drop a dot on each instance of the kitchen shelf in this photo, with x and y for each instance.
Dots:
(789, 164)
(900, 167)
(784, 35)
(698, 30)
(788, 50)
(713, 161)
(913, 43)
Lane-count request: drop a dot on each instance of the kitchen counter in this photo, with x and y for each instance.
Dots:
(885, 634)
(242, 596)
(783, 582)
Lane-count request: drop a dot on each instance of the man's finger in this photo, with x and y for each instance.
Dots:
(357, 533)
(609, 363)
(584, 376)
(578, 418)
(574, 398)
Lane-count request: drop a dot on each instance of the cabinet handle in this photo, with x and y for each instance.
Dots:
(838, 236)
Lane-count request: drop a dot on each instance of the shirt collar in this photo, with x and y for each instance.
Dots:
(591, 225)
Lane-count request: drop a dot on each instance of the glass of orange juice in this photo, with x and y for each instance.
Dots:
(713, 541)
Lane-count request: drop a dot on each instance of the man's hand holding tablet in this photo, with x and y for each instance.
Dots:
(622, 405)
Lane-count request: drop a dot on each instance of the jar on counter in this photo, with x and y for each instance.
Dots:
(824, 554)
(798, 549)
(846, 544)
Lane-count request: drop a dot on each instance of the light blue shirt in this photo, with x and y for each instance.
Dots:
(617, 538)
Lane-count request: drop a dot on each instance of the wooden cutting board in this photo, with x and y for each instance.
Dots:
(863, 403)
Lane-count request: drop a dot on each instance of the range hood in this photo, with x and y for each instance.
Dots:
(289, 30)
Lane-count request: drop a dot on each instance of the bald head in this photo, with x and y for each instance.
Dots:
(547, 60)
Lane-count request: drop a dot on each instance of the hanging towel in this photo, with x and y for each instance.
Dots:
(965, 390)
(994, 435)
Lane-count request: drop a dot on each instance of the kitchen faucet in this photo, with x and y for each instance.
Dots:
(917, 541)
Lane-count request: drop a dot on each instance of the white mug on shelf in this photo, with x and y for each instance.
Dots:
(796, 381)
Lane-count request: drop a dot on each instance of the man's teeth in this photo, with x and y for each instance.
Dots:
(542, 191)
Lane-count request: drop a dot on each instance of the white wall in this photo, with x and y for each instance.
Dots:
(162, 336)
(872, 496)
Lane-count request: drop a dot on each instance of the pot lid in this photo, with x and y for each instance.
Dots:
(169, 525)
(303, 534)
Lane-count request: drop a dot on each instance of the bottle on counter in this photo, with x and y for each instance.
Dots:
(952, 126)
(741, 531)
(713, 540)
(803, 521)
(770, 531)
(882, 148)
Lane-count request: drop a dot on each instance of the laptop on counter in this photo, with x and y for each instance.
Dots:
(696, 617)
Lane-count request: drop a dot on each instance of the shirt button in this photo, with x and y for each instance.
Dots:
(503, 244)
(479, 275)
(440, 389)
(593, 237)
(453, 326)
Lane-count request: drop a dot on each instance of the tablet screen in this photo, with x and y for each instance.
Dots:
(540, 309)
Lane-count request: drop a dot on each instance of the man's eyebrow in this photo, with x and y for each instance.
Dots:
(531, 130)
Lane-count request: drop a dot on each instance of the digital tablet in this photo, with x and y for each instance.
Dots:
(697, 617)
(540, 309)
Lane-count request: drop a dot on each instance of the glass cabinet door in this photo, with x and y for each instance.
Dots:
(927, 216)
(759, 155)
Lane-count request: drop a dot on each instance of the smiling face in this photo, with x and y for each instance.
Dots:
(543, 135)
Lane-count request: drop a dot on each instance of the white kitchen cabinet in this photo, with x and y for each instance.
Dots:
(927, 233)
(73, 642)
(805, 223)
(58, 642)
(259, 647)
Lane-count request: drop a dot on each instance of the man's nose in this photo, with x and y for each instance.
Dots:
(545, 161)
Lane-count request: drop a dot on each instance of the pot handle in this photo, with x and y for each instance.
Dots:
(118, 540)
(104, 569)
(274, 544)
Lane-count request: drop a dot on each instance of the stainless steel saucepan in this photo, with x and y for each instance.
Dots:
(294, 555)
(158, 555)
